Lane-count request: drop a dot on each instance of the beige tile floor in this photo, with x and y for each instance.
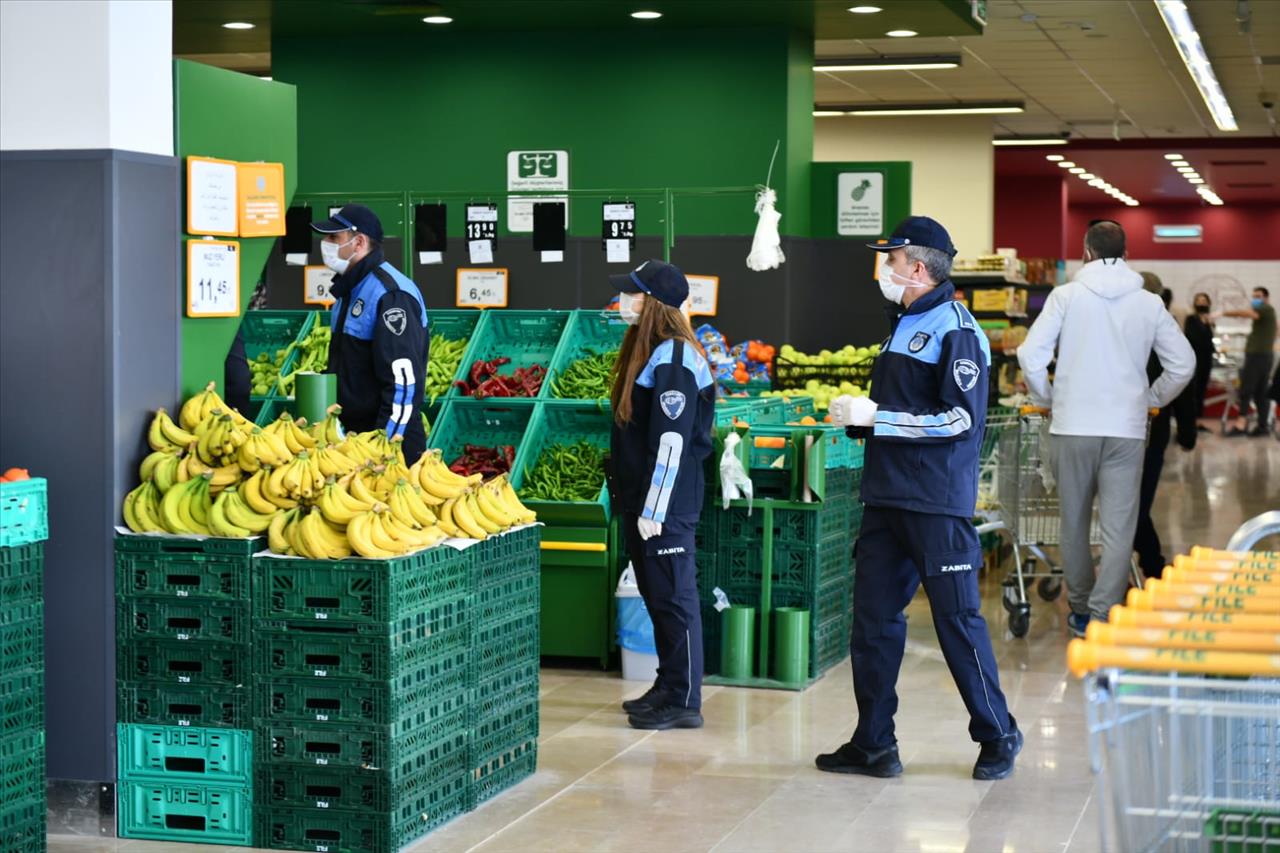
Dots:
(746, 782)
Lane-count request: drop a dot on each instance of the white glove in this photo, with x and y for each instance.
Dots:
(648, 528)
(852, 411)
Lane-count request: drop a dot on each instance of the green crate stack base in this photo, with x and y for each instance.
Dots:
(22, 734)
(525, 337)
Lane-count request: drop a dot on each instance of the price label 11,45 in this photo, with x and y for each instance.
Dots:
(213, 278)
(482, 288)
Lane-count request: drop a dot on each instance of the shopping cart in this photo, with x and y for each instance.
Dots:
(999, 420)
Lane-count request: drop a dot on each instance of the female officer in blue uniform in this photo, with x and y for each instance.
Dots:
(663, 402)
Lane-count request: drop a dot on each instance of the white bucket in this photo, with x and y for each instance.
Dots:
(636, 665)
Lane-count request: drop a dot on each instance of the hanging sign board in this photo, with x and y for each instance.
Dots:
(482, 231)
(213, 278)
(704, 292)
(535, 171)
(860, 204)
(261, 199)
(482, 288)
(211, 197)
(316, 281)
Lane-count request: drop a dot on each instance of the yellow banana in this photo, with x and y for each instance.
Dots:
(251, 494)
(417, 507)
(382, 537)
(359, 534)
(225, 476)
(220, 525)
(412, 537)
(335, 542)
(489, 503)
(478, 514)
(189, 416)
(199, 504)
(183, 474)
(126, 511)
(146, 508)
(170, 517)
(511, 502)
(276, 540)
(439, 488)
(465, 522)
(333, 508)
(241, 514)
(399, 508)
(165, 475)
(273, 490)
(445, 521)
(360, 490)
(147, 469)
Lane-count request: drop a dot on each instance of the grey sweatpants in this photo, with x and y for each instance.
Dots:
(1111, 469)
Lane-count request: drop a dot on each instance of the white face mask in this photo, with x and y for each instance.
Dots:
(627, 307)
(329, 254)
(894, 291)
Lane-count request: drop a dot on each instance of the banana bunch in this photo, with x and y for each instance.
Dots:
(219, 439)
(230, 516)
(393, 471)
(383, 447)
(164, 434)
(299, 480)
(185, 508)
(156, 458)
(357, 448)
(254, 493)
(406, 504)
(338, 505)
(329, 430)
(484, 510)
(190, 467)
(262, 448)
(364, 484)
(293, 432)
(378, 534)
(142, 509)
(305, 533)
(333, 462)
(437, 480)
(202, 405)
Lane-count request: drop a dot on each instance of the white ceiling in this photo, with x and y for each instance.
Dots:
(1083, 65)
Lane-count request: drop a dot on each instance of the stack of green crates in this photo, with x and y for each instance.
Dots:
(183, 669)
(23, 527)
(503, 714)
(361, 698)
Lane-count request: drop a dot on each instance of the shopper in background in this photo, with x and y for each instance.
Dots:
(1258, 357)
(1146, 540)
(1104, 327)
(1199, 331)
(663, 404)
(923, 424)
(380, 340)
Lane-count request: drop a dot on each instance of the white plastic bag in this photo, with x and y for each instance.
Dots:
(734, 481)
(766, 246)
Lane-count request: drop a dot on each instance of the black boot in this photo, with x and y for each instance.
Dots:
(666, 716)
(850, 758)
(995, 759)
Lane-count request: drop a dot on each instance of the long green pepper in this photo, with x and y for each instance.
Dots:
(588, 378)
(565, 472)
(442, 364)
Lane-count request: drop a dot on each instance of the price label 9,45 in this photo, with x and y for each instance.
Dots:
(316, 281)
(482, 288)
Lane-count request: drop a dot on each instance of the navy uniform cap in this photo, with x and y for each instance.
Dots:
(658, 279)
(352, 217)
(917, 231)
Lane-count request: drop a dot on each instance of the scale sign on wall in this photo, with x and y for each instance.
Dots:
(535, 171)
(482, 288)
(213, 278)
(860, 204)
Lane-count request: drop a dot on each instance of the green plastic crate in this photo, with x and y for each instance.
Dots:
(343, 652)
(271, 330)
(184, 754)
(12, 613)
(22, 770)
(507, 555)
(21, 702)
(22, 827)
(272, 408)
(506, 644)
(381, 594)
(818, 523)
(177, 812)
(182, 705)
(148, 617)
(830, 645)
(1243, 831)
(182, 574)
(24, 512)
(182, 662)
(514, 687)
(525, 337)
(22, 645)
(21, 572)
(518, 594)
(454, 324)
(587, 333)
(796, 568)
(566, 422)
(491, 423)
(503, 771)
(179, 546)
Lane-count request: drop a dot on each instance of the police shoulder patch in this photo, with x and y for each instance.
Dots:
(918, 342)
(672, 403)
(357, 308)
(395, 320)
(965, 373)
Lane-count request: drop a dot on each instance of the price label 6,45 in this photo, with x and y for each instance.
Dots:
(482, 288)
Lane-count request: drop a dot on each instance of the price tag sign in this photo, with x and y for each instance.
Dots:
(316, 281)
(211, 197)
(482, 222)
(482, 288)
(620, 222)
(213, 278)
(261, 199)
(704, 291)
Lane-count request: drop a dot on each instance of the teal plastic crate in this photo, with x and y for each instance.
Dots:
(566, 422)
(272, 330)
(511, 643)
(186, 812)
(24, 512)
(517, 594)
(22, 828)
(272, 408)
(491, 423)
(525, 337)
(20, 566)
(587, 333)
(156, 703)
(503, 771)
(181, 662)
(184, 754)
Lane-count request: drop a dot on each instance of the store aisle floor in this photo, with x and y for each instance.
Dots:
(747, 782)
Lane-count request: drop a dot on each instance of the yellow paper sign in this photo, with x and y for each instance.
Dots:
(704, 292)
(260, 199)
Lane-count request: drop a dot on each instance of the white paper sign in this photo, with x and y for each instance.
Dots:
(213, 278)
(617, 251)
(482, 288)
(316, 282)
(425, 258)
(704, 292)
(211, 197)
(535, 171)
(553, 257)
(480, 251)
(860, 204)
(296, 259)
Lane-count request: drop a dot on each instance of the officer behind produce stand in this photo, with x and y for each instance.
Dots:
(663, 402)
(380, 340)
(923, 424)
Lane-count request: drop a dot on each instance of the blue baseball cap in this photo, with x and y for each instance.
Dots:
(917, 231)
(352, 217)
(658, 279)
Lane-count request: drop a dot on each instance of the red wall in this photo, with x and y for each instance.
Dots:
(1241, 233)
(1031, 215)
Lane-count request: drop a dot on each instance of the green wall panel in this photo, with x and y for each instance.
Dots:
(433, 112)
(897, 194)
(233, 116)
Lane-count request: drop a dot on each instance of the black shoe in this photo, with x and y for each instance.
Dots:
(849, 758)
(1258, 432)
(1235, 432)
(666, 717)
(651, 699)
(995, 760)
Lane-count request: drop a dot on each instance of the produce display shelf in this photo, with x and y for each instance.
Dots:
(525, 337)
(587, 333)
(565, 422)
(271, 330)
(24, 512)
(453, 323)
(184, 753)
(490, 423)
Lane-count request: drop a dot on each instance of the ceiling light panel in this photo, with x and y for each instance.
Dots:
(1186, 38)
(888, 63)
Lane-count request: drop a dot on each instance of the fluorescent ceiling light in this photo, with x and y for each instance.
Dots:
(1076, 170)
(1054, 158)
(828, 113)
(1187, 39)
(437, 19)
(888, 63)
(1131, 202)
(901, 34)
(1048, 140)
(1185, 169)
(1179, 163)
(1087, 176)
(646, 15)
(1195, 180)
(1065, 164)
(948, 109)
(864, 10)
(1095, 182)
(238, 25)
(1173, 156)
(268, 79)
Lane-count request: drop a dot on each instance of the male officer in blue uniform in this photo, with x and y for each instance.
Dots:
(379, 344)
(923, 424)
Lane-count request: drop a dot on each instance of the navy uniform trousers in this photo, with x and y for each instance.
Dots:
(667, 575)
(896, 552)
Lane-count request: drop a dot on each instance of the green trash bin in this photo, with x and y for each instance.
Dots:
(737, 641)
(314, 393)
(791, 645)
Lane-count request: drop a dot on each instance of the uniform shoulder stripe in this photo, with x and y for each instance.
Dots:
(963, 317)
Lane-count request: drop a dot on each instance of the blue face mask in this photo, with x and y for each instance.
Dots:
(1257, 304)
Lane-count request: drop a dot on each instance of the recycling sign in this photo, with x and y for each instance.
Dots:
(860, 204)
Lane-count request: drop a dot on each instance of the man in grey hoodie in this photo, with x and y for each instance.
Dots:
(1104, 327)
